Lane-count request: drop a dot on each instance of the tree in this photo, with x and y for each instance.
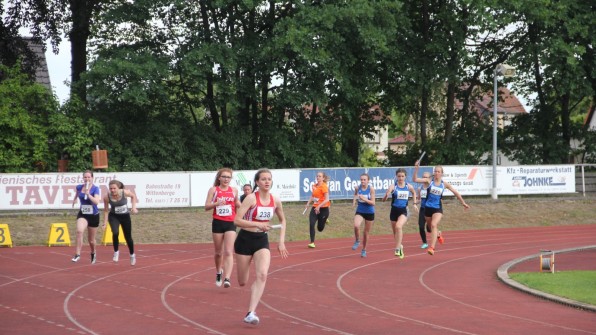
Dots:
(557, 63)
(24, 110)
(51, 20)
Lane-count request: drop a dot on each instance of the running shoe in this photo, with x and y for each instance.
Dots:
(311, 245)
(430, 250)
(328, 222)
(356, 244)
(227, 283)
(400, 252)
(440, 238)
(218, 281)
(424, 246)
(363, 254)
(76, 258)
(116, 256)
(251, 318)
(93, 258)
(133, 259)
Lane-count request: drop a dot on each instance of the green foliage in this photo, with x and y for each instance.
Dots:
(72, 136)
(24, 109)
(587, 148)
(174, 85)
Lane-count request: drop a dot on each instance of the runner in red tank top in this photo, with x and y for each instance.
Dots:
(254, 218)
(223, 200)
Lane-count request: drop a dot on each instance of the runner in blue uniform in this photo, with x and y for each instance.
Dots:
(364, 196)
(398, 216)
(433, 210)
(89, 197)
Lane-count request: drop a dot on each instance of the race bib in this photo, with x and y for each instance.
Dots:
(87, 209)
(436, 190)
(422, 194)
(121, 209)
(224, 210)
(315, 200)
(403, 195)
(264, 214)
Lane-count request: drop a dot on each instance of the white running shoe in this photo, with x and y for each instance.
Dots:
(251, 318)
(218, 280)
(93, 257)
(133, 259)
(116, 256)
(76, 258)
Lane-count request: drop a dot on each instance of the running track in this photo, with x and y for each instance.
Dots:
(327, 290)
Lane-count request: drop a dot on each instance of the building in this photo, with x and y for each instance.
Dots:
(508, 107)
(42, 75)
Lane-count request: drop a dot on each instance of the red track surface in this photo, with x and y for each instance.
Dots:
(327, 290)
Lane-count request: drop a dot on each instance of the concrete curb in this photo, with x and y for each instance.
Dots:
(502, 273)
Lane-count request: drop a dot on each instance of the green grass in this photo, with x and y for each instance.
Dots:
(576, 285)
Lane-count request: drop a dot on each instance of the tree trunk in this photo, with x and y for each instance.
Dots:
(81, 11)
(566, 125)
(543, 109)
(449, 112)
(423, 114)
(210, 97)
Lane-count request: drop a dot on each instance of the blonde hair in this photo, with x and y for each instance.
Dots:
(326, 177)
(219, 172)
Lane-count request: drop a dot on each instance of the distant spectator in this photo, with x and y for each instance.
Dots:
(246, 190)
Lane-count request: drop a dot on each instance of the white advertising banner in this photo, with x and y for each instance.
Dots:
(57, 190)
(536, 179)
(157, 189)
(285, 184)
(468, 180)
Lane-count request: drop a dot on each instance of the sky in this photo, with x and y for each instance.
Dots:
(59, 69)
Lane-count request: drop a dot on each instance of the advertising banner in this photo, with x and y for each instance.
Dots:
(342, 181)
(536, 179)
(184, 189)
(57, 190)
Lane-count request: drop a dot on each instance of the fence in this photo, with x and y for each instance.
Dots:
(585, 179)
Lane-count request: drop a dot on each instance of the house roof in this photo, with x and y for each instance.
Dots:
(483, 105)
(403, 139)
(590, 121)
(42, 75)
(508, 103)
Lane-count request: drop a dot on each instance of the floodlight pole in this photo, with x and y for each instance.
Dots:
(493, 191)
(505, 71)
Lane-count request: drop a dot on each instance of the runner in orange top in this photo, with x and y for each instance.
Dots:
(320, 208)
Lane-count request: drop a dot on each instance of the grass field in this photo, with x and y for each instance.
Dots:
(575, 285)
(193, 225)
